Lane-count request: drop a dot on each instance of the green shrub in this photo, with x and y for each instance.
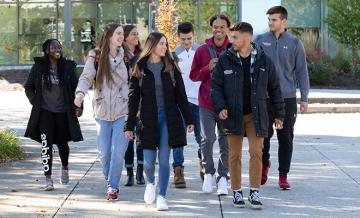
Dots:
(9, 146)
(322, 73)
(355, 72)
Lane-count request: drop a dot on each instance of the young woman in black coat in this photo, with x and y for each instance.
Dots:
(50, 89)
(157, 83)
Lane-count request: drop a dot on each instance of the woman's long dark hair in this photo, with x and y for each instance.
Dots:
(60, 64)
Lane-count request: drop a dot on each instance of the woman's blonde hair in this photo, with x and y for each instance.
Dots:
(150, 44)
(104, 70)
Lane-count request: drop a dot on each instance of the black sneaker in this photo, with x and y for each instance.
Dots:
(254, 199)
(238, 200)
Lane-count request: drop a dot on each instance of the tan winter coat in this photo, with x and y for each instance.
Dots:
(109, 102)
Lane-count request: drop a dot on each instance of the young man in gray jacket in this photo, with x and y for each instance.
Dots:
(288, 55)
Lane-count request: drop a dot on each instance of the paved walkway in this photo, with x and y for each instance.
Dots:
(325, 176)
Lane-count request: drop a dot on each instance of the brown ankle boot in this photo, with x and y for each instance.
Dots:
(179, 179)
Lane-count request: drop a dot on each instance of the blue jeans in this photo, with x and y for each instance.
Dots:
(178, 153)
(163, 155)
(112, 145)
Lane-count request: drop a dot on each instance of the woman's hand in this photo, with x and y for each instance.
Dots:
(79, 98)
(190, 128)
(129, 135)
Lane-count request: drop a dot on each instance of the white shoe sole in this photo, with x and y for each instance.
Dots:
(162, 208)
(257, 207)
(239, 206)
(285, 189)
(49, 189)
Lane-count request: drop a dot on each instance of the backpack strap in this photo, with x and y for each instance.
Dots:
(212, 51)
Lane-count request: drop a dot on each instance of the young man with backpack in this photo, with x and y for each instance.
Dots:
(205, 59)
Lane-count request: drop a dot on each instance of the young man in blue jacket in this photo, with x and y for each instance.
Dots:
(242, 80)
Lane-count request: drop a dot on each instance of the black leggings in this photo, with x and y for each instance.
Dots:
(53, 130)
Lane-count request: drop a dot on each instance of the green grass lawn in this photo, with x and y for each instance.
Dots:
(9, 146)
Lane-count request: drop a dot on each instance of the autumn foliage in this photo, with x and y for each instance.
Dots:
(167, 21)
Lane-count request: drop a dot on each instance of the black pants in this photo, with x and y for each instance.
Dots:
(285, 136)
(129, 154)
(53, 130)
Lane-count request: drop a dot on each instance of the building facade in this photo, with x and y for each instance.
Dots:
(25, 24)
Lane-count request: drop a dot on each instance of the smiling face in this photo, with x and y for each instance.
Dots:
(160, 48)
(219, 28)
(117, 38)
(133, 38)
(54, 50)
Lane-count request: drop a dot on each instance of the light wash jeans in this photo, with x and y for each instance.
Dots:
(112, 144)
(163, 155)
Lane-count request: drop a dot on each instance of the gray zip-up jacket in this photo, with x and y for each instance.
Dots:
(288, 55)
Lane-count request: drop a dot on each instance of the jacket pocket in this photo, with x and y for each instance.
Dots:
(229, 83)
(120, 106)
(99, 106)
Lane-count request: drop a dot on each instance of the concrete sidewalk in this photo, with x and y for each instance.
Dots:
(325, 176)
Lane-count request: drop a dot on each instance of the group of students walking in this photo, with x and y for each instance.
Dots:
(226, 89)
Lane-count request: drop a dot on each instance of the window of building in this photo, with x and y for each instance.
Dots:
(8, 36)
(303, 13)
(37, 22)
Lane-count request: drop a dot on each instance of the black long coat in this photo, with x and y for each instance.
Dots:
(176, 107)
(33, 90)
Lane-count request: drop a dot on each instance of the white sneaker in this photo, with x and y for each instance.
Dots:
(207, 185)
(149, 195)
(161, 203)
(222, 186)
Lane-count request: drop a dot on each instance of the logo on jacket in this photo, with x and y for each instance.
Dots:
(267, 43)
(227, 72)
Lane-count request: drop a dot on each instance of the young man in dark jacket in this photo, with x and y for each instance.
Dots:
(288, 55)
(241, 82)
(205, 59)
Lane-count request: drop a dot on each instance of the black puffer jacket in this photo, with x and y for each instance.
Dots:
(176, 107)
(227, 91)
(33, 90)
